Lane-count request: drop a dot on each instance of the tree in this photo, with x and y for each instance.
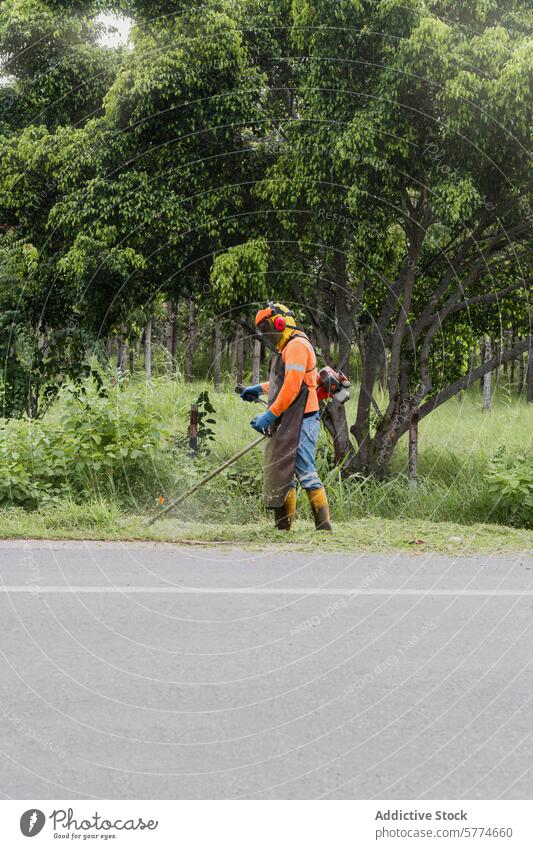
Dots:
(36, 359)
(363, 161)
(58, 72)
(407, 163)
(136, 200)
(57, 77)
(163, 187)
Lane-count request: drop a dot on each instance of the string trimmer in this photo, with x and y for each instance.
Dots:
(212, 474)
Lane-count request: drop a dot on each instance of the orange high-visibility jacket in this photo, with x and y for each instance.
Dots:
(299, 359)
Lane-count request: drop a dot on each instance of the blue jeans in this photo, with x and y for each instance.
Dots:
(305, 467)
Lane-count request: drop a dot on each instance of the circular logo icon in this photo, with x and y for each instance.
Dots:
(32, 822)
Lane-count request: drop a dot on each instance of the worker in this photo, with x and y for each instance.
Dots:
(291, 419)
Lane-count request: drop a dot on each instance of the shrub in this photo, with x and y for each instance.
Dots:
(97, 446)
(510, 480)
(29, 465)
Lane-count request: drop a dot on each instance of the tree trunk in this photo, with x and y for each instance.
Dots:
(530, 376)
(256, 361)
(170, 330)
(513, 362)
(132, 360)
(217, 355)
(482, 360)
(374, 453)
(361, 427)
(343, 318)
(247, 348)
(398, 301)
(191, 344)
(496, 349)
(233, 356)
(122, 352)
(413, 444)
(487, 383)
(225, 353)
(148, 351)
(503, 341)
(382, 371)
(334, 414)
(240, 355)
(33, 401)
(472, 360)
(334, 420)
(520, 386)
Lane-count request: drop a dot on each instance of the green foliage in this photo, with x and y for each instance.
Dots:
(96, 446)
(151, 186)
(240, 274)
(30, 468)
(37, 360)
(510, 481)
(61, 73)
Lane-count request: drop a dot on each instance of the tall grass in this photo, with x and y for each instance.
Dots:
(457, 443)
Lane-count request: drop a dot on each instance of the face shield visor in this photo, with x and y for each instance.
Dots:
(268, 332)
(265, 322)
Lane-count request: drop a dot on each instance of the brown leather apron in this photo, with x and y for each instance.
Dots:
(281, 447)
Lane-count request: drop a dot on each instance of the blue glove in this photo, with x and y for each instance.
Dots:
(263, 423)
(252, 393)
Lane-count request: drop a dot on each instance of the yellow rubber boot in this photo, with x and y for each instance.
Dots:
(319, 505)
(284, 516)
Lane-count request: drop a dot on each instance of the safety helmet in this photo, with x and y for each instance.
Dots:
(277, 322)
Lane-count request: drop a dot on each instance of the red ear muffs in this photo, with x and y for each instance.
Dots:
(279, 323)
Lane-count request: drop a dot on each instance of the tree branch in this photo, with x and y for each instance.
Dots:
(492, 296)
(449, 307)
(467, 379)
(454, 267)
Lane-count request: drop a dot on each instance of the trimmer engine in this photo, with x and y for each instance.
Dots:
(332, 384)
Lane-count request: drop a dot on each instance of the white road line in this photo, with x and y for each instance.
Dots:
(34, 589)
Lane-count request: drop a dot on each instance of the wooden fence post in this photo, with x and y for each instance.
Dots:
(193, 430)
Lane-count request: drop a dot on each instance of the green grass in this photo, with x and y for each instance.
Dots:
(103, 521)
(457, 442)
(450, 508)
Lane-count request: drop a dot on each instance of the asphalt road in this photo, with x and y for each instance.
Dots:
(154, 671)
